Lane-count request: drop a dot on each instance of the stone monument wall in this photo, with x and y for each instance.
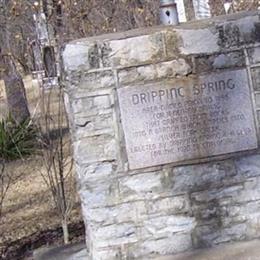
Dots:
(165, 127)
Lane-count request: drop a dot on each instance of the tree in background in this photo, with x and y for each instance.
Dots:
(14, 30)
(58, 164)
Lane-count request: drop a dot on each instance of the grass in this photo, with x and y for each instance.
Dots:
(17, 140)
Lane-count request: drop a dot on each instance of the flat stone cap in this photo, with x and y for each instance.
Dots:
(161, 43)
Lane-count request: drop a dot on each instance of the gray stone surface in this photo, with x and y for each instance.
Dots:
(165, 209)
(70, 252)
(237, 251)
(203, 40)
(168, 69)
(215, 62)
(254, 55)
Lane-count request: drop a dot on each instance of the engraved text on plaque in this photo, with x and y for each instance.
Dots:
(187, 119)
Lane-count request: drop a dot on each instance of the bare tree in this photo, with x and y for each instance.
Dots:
(56, 154)
(5, 183)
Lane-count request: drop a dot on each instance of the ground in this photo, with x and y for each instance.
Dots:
(29, 211)
(29, 218)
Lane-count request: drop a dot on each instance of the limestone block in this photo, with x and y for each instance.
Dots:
(173, 41)
(111, 253)
(242, 31)
(209, 195)
(146, 73)
(141, 186)
(201, 177)
(133, 212)
(254, 55)
(92, 106)
(233, 212)
(81, 105)
(248, 196)
(97, 80)
(133, 51)
(168, 206)
(214, 234)
(257, 100)
(255, 72)
(258, 117)
(251, 183)
(195, 41)
(115, 235)
(150, 212)
(102, 101)
(94, 171)
(241, 213)
(98, 195)
(164, 246)
(81, 93)
(95, 149)
(167, 225)
(219, 61)
(161, 70)
(202, 9)
(233, 233)
(179, 67)
(93, 125)
(248, 166)
(77, 56)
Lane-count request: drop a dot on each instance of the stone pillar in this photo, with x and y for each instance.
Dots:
(165, 124)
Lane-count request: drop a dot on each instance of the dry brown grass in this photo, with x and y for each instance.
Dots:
(28, 207)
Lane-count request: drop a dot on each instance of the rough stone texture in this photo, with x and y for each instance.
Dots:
(162, 210)
(218, 61)
(239, 251)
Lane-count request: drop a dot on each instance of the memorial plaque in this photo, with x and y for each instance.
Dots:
(187, 119)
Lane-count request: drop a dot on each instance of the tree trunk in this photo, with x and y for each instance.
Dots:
(65, 231)
(15, 92)
(14, 87)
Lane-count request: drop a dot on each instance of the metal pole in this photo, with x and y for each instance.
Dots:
(168, 12)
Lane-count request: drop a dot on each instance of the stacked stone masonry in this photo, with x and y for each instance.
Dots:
(175, 207)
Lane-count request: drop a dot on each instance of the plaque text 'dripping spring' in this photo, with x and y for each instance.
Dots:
(187, 119)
